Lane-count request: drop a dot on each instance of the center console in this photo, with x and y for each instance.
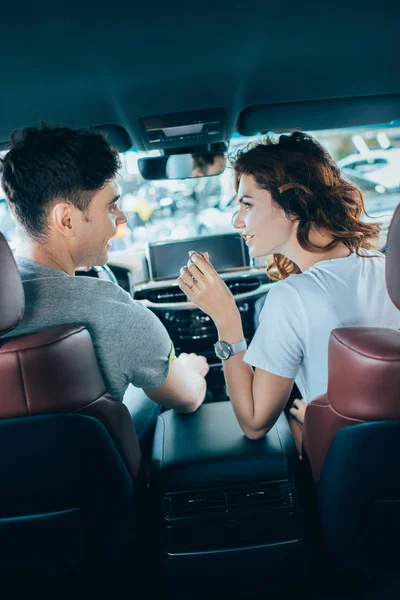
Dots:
(189, 328)
(229, 508)
(227, 504)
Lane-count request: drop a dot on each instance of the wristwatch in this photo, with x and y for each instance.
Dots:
(225, 350)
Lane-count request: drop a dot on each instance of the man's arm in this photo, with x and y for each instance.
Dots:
(185, 387)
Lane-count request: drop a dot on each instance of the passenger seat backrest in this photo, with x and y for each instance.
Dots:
(43, 376)
(11, 293)
(351, 438)
(393, 258)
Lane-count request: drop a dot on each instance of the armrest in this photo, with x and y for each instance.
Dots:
(209, 448)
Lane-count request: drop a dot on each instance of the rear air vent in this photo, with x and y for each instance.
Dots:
(271, 496)
(183, 505)
(173, 293)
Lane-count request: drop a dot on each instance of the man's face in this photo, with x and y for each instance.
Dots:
(95, 228)
(217, 166)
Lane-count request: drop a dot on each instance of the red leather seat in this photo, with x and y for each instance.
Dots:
(69, 452)
(352, 439)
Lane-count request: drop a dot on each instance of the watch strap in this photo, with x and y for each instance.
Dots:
(238, 347)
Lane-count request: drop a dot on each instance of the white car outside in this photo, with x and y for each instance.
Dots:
(379, 167)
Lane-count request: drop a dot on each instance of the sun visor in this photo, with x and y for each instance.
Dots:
(116, 135)
(320, 114)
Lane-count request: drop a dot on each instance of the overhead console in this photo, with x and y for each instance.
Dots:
(177, 130)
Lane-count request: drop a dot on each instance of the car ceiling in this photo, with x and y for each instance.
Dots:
(83, 65)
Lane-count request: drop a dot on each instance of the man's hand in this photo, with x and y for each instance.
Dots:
(185, 387)
(298, 410)
(195, 362)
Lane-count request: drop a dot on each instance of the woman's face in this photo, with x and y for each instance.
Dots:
(264, 224)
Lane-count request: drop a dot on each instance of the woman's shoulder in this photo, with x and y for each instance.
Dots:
(286, 290)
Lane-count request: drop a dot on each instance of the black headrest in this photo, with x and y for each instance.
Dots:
(393, 259)
(11, 290)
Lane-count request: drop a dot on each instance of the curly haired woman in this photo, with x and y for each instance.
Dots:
(294, 205)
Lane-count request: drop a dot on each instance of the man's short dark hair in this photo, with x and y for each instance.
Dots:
(203, 162)
(47, 163)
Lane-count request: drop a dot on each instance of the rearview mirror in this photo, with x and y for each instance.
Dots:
(182, 166)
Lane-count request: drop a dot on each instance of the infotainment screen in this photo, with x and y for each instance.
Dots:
(227, 251)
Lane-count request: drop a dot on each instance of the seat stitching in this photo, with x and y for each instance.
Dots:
(366, 355)
(43, 345)
(339, 414)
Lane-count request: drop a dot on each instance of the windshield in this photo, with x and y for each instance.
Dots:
(162, 210)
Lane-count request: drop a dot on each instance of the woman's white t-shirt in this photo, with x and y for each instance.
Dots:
(301, 311)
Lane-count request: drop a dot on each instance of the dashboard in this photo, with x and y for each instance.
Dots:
(189, 328)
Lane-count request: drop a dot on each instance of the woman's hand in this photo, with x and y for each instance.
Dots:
(298, 410)
(205, 288)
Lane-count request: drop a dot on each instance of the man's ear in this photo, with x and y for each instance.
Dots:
(62, 218)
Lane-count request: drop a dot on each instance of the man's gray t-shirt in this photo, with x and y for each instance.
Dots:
(131, 344)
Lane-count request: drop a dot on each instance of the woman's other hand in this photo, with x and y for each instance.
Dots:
(298, 410)
(205, 288)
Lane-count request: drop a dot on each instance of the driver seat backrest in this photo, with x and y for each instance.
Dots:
(69, 452)
(351, 439)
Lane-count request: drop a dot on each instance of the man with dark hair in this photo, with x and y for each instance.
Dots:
(60, 186)
(208, 164)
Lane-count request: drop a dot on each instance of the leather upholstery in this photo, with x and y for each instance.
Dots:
(392, 259)
(48, 371)
(364, 373)
(363, 385)
(55, 370)
(208, 448)
(69, 495)
(12, 294)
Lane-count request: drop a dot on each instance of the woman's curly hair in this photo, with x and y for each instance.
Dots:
(306, 183)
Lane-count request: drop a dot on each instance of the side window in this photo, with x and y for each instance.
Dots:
(7, 223)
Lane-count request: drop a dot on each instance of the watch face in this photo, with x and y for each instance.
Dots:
(222, 350)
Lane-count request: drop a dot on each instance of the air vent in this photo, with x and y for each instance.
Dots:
(173, 293)
(198, 504)
(162, 295)
(271, 496)
(243, 286)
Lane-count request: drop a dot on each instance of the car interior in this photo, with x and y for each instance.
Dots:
(206, 511)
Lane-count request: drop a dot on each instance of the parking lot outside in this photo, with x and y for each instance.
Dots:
(177, 209)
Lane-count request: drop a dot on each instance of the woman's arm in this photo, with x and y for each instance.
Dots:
(257, 397)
